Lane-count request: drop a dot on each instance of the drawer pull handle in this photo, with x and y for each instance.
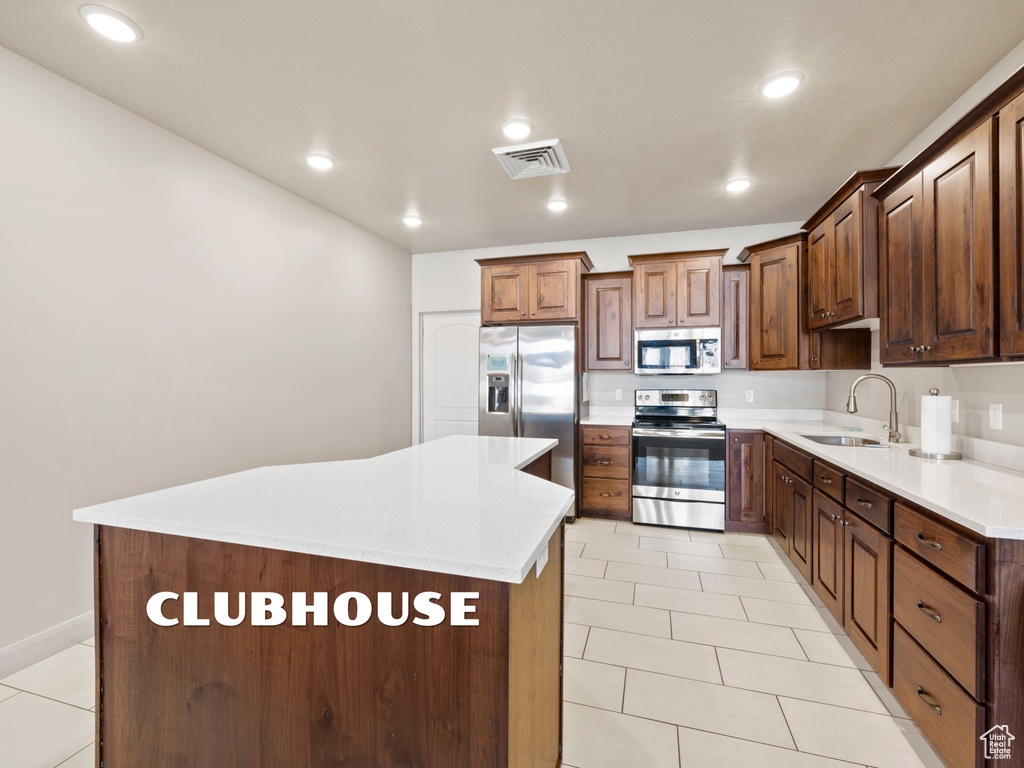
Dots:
(603, 461)
(933, 616)
(825, 480)
(606, 494)
(605, 437)
(924, 697)
(929, 542)
(865, 504)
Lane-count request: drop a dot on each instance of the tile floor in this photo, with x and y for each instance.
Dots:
(682, 649)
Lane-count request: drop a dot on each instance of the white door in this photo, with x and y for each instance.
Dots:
(450, 349)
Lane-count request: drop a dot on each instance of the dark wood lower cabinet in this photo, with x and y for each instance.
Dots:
(828, 553)
(867, 603)
(802, 532)
(782, 507)
(745, 468)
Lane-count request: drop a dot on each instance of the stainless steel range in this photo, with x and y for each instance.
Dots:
(678, 459)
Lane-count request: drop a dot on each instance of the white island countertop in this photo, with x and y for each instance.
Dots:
(458, 505)
(983, 498)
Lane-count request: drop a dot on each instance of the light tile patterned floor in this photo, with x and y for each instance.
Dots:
(682, 649)
(724, 657)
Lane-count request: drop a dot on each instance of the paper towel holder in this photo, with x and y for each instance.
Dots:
(954, 456)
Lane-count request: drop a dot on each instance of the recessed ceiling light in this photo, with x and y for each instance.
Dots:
(738, 185)
(557, 205)
(517, 128)
(781, 84)
(319, 162)
(412, 221)
(111, 24)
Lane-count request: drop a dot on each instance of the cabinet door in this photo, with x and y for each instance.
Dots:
(899, 274)
(820, 275)
(699, 292)
(802, 531)
(1011, 228)
(744, 500)
(736, 319)
(958, 277)
(847, 260)
(782, 506)
(828, 553)
(553, 290)
(774, 323)
(654, 286)
(867, 603)
(505, 292)
(609, 324)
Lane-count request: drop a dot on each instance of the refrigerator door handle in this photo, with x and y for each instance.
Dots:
(519, 394)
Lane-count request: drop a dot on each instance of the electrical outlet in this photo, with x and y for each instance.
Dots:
(955, 412)
(618, 394)
(750, 395)
(995, 416)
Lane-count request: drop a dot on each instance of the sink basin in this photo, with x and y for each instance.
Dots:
(862, 442)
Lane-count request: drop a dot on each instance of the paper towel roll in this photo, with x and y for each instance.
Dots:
(936, 423)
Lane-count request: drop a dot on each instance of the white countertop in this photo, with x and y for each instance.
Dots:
(983, 498)
(458, 505)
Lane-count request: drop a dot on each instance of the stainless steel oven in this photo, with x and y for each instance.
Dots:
(661, 351)
(678, 459)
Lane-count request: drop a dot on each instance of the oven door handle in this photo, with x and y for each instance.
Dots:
(679, 434)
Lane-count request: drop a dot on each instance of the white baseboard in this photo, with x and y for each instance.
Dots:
(27, 652)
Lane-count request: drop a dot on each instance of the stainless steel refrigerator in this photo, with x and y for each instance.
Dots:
(529, 387)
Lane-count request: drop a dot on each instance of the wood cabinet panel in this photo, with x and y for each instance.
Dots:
(820, 268)
(795, 460)
(655, 294)
(606, 495)
(899, 265)
(782, 507)
(603, 435)
(802, 532)
(608, 325)
(736, 318)
(828, 553)
(945, 619)
(611, 462)
(958, 270)
(774, 319)
(867, 603)
(829, 480)
(745, 486)
(699, 292)
(950, 719)
(553, 290)
(505, 293)
(847, 261)
(958, 556)
(870, 503)
(1011, 228)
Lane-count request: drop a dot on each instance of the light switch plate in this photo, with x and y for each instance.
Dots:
(750, 395)
(995, 416)
(618, 394)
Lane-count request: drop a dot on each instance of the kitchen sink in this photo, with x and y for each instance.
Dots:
(862, 442)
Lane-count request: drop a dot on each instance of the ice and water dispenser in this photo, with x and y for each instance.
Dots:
(498, 375)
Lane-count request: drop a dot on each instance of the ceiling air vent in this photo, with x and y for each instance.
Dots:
(538, 158)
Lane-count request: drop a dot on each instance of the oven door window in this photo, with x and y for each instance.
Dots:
(693, 465)
(668, 354)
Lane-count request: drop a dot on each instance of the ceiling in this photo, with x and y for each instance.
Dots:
(655, 101)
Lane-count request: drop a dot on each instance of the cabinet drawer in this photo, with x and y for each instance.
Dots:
(872, 505)
(606, 461)
(796, 461)
(608, 495)
(955, 555)
(943, 618)
(828, 480)
(598, 435)
(950, 718)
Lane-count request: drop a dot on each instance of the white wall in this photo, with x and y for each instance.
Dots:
(975, 386)
(166, 317)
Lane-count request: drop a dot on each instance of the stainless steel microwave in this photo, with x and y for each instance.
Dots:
(661, 351)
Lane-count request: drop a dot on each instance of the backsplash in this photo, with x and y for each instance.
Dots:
(975, 386)
(794, 389)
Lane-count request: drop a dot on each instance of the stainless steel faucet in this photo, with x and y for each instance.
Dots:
(894, 417)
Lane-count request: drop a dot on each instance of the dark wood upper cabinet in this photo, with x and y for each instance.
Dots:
(608, 321)
(745, 489)
(899, 243)
(1011, 228)
(736, 318)
(532, 289)
(842, 263)
(676, 290)
(774, 304)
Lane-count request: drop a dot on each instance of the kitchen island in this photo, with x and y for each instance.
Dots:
(403, 610)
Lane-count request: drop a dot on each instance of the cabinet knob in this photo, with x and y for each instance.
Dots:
(735, 439)
(524, 314)
(925, 349)
(913, 350)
